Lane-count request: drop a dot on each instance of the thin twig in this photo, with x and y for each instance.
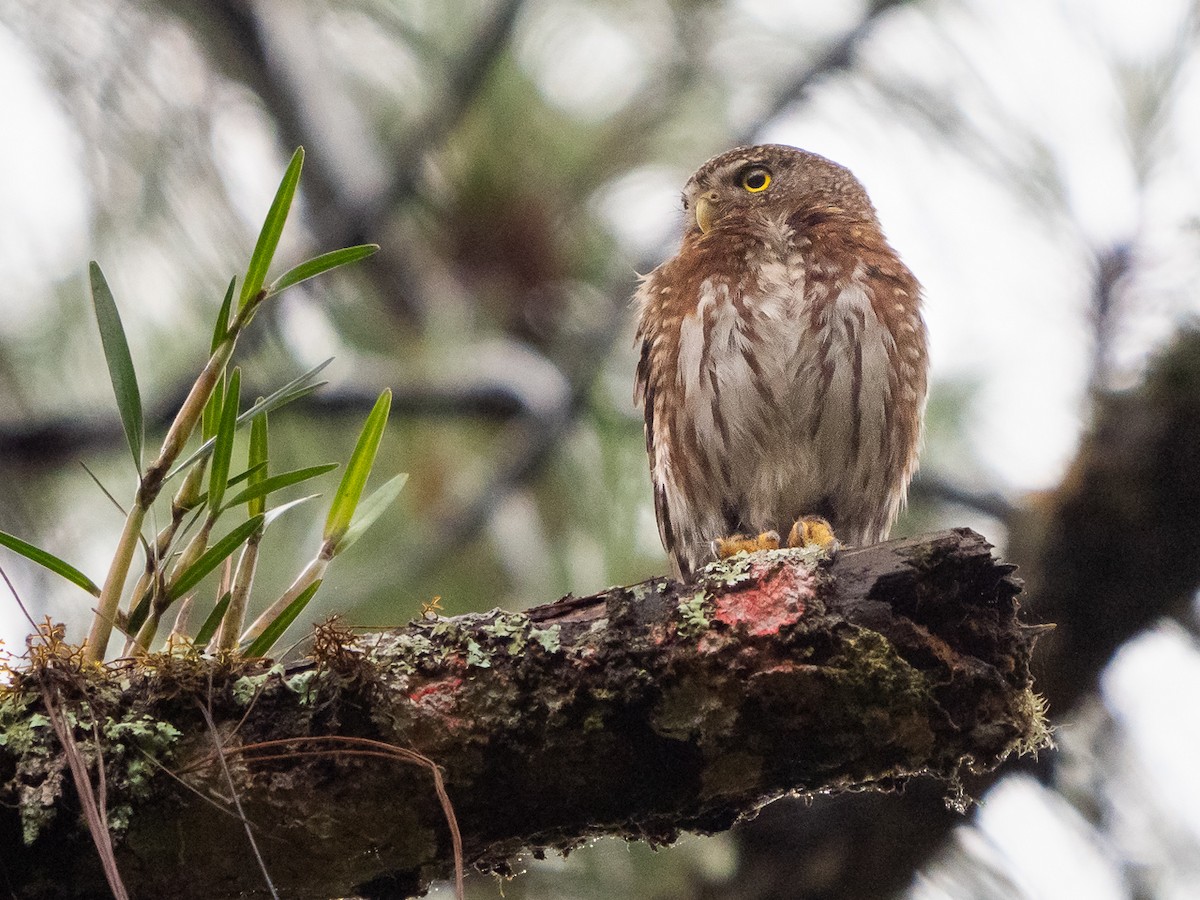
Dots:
(49, 441)
(93, 811)
(115, 502)
(837, 57)
(101, 776)
(379, 749)
(20, 603)
(211, 801)
(237, 801)
(1112, 265)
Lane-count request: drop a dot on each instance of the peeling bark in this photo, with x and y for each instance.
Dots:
(641, 711)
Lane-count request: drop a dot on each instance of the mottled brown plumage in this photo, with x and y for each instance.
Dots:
(783, 362)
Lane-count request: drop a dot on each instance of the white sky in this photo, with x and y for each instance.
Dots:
(43, 195)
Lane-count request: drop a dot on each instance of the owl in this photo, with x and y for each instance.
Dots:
(783, 362)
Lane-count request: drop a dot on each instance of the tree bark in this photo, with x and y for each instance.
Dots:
(640, 711)
(1113, 549)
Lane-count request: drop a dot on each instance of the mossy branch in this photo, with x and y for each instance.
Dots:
(641, 711)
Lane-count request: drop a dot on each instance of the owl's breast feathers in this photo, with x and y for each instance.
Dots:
(782, 373)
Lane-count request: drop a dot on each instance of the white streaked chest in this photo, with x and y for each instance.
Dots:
(784, 390)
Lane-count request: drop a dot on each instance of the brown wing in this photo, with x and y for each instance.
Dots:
(645, 391)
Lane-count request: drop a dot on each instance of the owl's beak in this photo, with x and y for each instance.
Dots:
(706, 211)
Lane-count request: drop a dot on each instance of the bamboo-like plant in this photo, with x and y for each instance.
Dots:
(183, 552)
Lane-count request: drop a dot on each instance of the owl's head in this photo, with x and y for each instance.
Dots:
(772, 178)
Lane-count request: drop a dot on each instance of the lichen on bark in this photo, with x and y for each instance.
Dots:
(640, 711)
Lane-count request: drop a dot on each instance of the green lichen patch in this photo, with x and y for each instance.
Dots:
(131, 745)
(248, 687)
(405, 651)
(644, 589)
(694, 613)
(480, 638)
(303, 684)
(548, 638)
(476, 656)
(37, 781)
(735, 570)
(137, 749)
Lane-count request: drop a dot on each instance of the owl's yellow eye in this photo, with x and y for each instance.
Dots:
(756, 179)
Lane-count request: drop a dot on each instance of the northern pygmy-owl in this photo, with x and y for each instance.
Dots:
(783, 362)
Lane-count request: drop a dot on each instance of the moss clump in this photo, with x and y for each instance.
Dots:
(896, 697)
(1032, 708)
(688, 710)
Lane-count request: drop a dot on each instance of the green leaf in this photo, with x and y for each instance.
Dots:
(319, 265)
(262, 644)
(212, 557)
(211, 417)
(196, 512)
(221, 329)
(370, 510)
(49, 561)
(137, 616)
(268, 238)
(120, 363)
(280, 510)
(257, 458)
(345, 501)
(289, 393)
(267, 486)
(237, 479)
(218, 475)
(255, 469)
(209, 628)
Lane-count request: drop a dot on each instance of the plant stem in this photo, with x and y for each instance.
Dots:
(152, 481)
(110, 593)
(194, 550)
(179, 629)
(314, 571)
(235, 614)
(181, 505)
(188, 417)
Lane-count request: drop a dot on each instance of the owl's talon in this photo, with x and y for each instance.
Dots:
(814, 531)
(725, 547)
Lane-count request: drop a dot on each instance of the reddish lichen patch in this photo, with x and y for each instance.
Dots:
(777, 598)
(438, 696)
